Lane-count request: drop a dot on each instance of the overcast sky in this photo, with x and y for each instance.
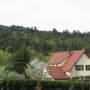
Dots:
(47, 14)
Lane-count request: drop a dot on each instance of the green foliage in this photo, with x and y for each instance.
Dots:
(19, 84)
(3, 73)
(19, 60)
(40, 43)
(6, 74)
(46, 85)
(55, 85)
(4, 57)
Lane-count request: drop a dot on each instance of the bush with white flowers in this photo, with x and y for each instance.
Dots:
(37, 69)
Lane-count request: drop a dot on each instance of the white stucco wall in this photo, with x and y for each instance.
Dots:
(84, 60)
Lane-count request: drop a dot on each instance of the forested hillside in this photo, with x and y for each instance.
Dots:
(39, 44)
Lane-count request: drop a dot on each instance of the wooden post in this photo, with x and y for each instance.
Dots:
(38, 87)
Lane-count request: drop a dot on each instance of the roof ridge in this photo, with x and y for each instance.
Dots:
(70, 51)
(65, 57)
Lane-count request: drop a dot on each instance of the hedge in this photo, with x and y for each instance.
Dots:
(45, 85)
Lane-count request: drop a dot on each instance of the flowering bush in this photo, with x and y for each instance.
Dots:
(37, 69)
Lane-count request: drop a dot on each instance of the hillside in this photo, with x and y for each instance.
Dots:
(41, 44)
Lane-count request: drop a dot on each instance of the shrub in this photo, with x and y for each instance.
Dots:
(24, 84)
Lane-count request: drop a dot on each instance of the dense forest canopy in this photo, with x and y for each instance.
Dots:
(40, 44)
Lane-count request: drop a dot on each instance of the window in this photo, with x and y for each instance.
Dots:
(79, 67)
(87, 67)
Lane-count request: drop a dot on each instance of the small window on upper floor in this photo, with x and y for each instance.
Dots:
(87, 67)
(79, 67)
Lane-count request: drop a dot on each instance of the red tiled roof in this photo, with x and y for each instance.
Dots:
(72, 57)
(58, 57)
(57, 72)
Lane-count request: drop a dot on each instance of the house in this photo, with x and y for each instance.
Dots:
(71, 64)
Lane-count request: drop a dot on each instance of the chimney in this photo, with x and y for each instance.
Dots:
(84, 49)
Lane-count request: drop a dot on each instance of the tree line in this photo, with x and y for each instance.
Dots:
(40, 44)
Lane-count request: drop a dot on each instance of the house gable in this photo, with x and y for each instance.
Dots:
(75, 56)
(84, 60)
